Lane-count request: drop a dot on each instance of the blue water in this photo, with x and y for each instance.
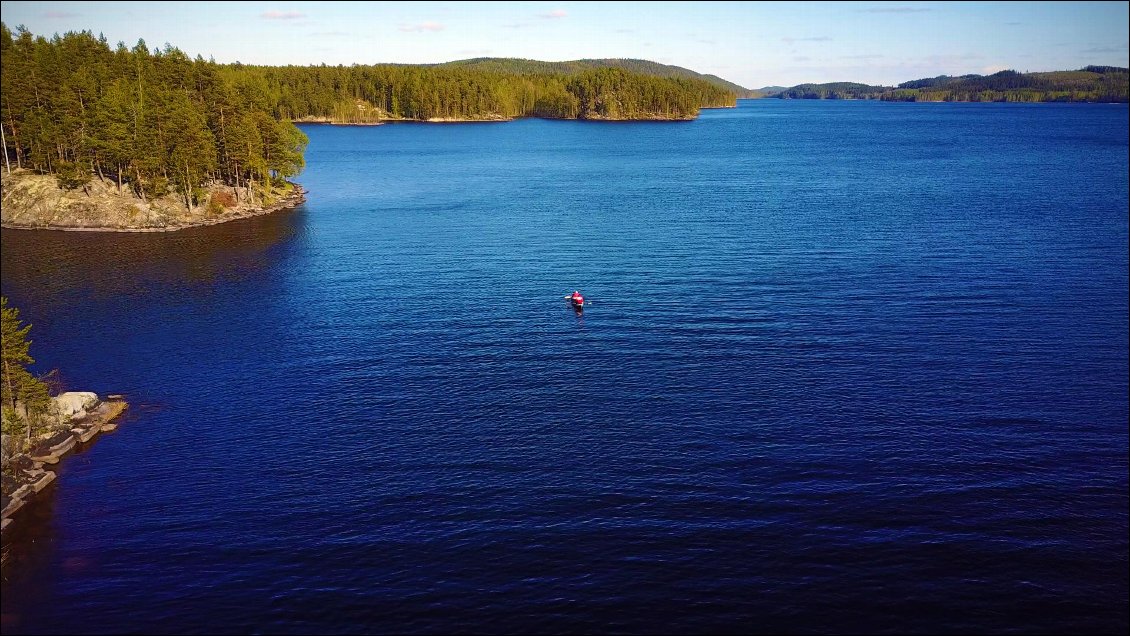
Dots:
(848, 367)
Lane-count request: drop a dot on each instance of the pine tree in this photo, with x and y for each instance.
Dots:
(23, 397)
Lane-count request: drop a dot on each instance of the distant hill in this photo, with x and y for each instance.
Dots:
(768, 91)
(1089, 84)
(519, 66)
(833, 90)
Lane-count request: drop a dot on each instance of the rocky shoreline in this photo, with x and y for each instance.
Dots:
(34, 202)
(293, 200)
(25, 475)
(494, 118)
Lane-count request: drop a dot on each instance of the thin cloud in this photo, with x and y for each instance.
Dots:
(872, 56)
(516, 25)
(282, 15)
(822, 38)
(555, 14)
(896, 10)
(420, 28)
(801, 58)
(1105, 49)
(60, 15)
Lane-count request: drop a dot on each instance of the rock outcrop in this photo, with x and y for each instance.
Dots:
(35, 201)
(83, 416)
(74, 404)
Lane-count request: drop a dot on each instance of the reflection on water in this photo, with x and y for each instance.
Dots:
(50, 267)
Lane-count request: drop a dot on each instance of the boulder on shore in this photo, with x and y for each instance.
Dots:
(74, 404)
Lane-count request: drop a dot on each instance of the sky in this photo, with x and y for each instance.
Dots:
(754, 44)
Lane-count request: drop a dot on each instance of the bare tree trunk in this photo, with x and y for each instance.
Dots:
(140, 185)
(15, 137)
(187, 189)
(4, 139)
(11, 391)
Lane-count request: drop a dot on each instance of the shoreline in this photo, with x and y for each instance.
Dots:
(25, 473)
(499, 119)
(296, 198)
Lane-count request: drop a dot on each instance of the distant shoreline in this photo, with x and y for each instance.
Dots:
(329, 121)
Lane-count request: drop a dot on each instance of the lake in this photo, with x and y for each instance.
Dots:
(847, 367)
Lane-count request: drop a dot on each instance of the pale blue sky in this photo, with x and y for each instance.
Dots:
(751, 43)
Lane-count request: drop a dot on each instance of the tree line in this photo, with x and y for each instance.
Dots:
(834, 90)
(154, 120)
(503, 89)
(1089, 84)
(151, 121)
(518, 66)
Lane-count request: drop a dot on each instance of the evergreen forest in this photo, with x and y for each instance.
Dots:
(155, 121)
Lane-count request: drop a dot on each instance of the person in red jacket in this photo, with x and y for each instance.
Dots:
(577, 299)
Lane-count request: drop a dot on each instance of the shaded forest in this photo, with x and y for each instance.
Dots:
(1089, 84)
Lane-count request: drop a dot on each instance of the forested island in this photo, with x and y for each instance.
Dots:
(1108, 84)
(491, 89)
(137, 138)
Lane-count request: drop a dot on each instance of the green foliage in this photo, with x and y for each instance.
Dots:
(14, 344)
(13, 424)
(71, 175)
(152, 121)
(21, 393)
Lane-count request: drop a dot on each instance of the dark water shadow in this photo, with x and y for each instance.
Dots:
(51, 267)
